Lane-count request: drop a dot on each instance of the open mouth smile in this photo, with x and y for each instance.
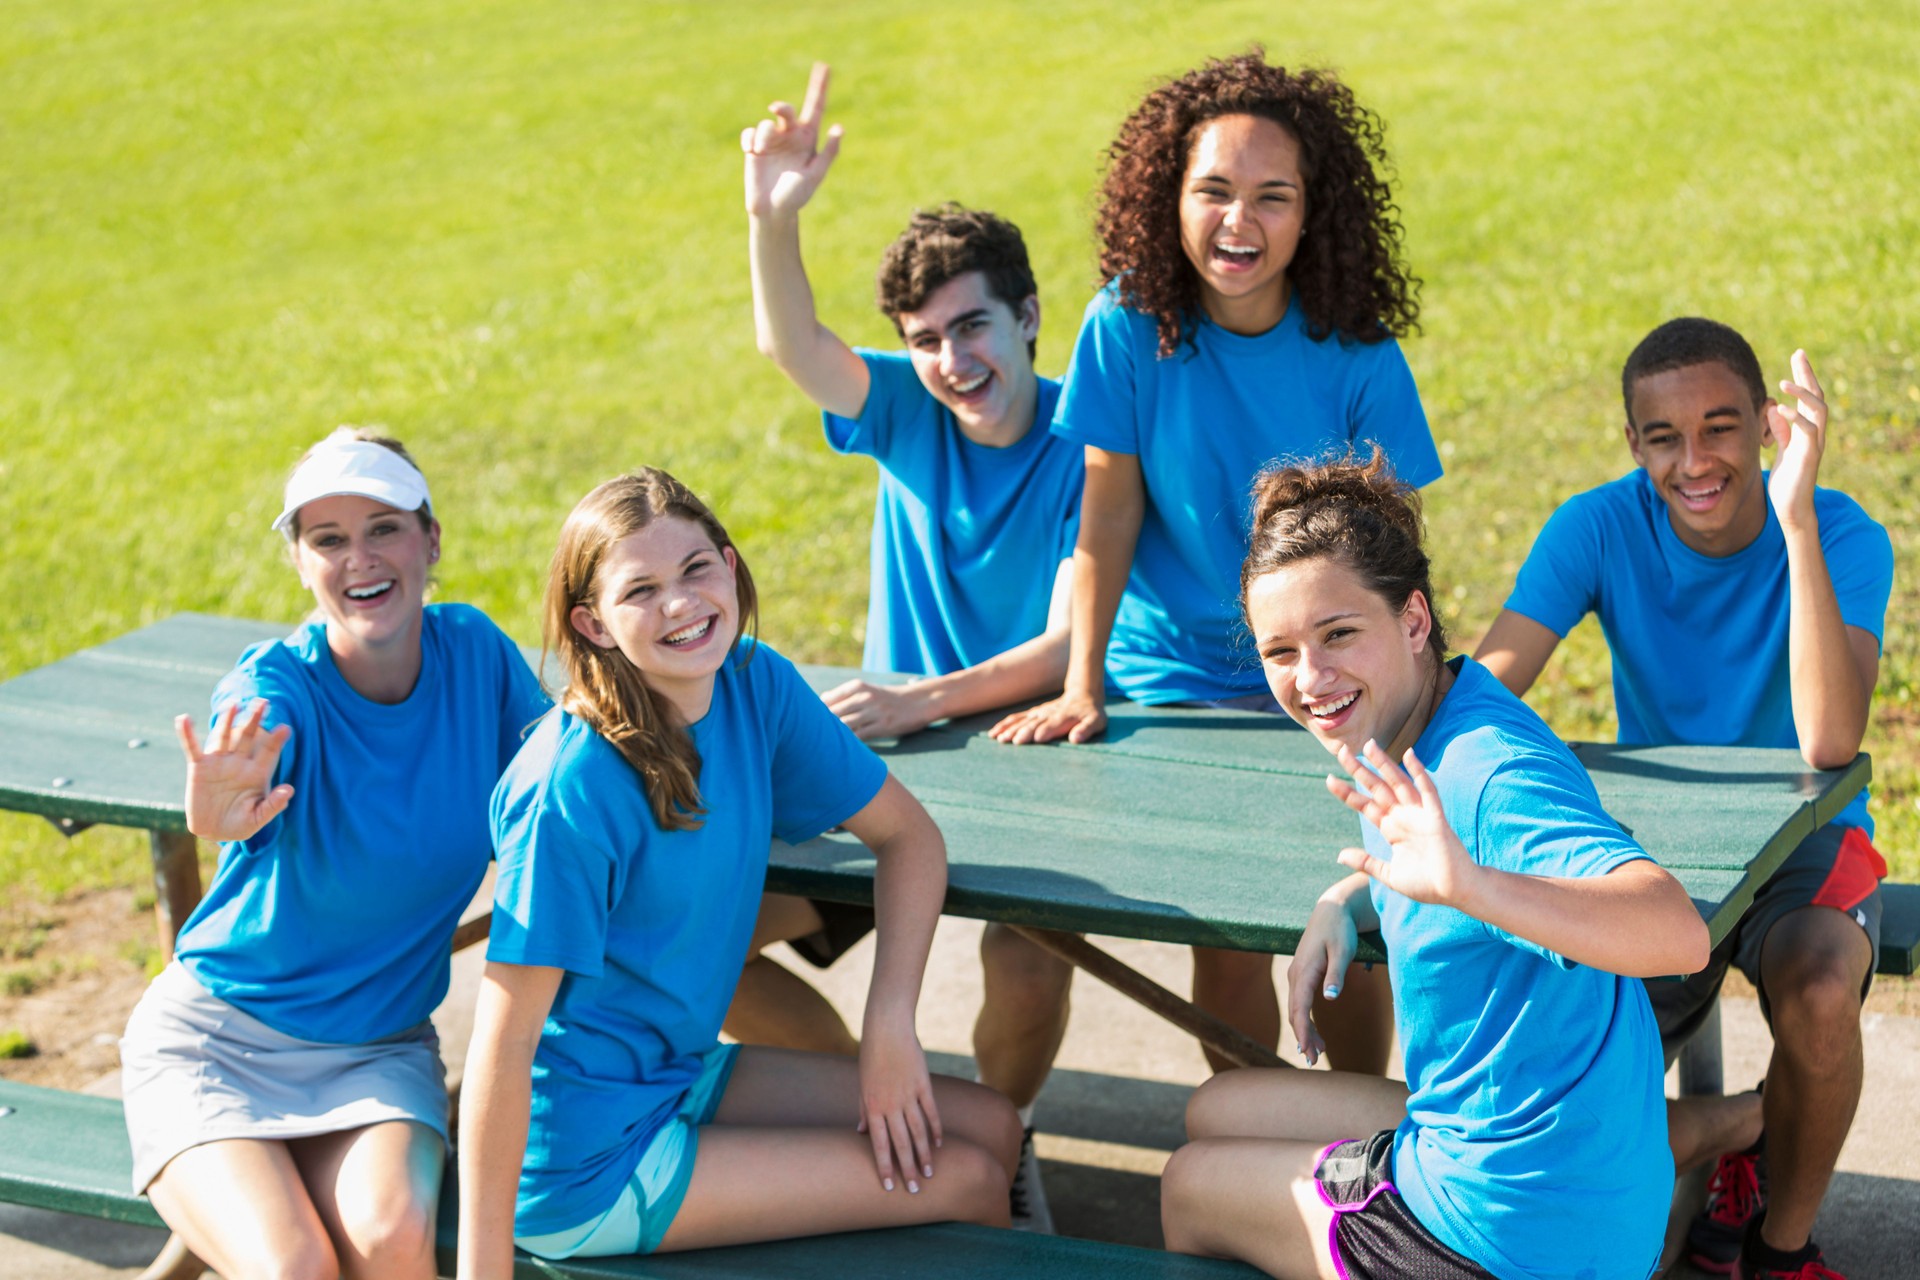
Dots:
(1334, 711)
(1235, 257)
(1701, 497)
(971, 388)
(370, 592)
(690, 636)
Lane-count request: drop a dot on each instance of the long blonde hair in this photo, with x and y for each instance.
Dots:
(603, 687)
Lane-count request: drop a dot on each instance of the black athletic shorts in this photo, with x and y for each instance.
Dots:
(1374, 1235)
(841, 925)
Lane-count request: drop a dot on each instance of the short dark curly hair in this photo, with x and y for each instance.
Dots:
(1688, 341)
(1348, 271)
(944, 244)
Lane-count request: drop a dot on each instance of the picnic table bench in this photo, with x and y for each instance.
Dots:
(1191, 826)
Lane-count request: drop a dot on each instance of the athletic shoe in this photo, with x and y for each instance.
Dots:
(1026, 1197)
(1814, 1268)
(1736, 1196)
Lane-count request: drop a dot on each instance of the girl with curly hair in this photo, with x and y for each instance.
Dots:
(1254, 290)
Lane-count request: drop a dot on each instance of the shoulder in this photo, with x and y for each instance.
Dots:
(761, 670)
(465, 629)
(1626, 502)
(564, 761)
(282, 671)
(1844, 514)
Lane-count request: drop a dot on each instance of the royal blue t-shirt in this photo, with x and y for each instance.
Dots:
(651, 926)
(333, 922)
(1204, 422)
(1699, 642)
(1535, 1141)
(967, 539)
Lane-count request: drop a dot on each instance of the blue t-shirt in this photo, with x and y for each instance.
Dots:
(333, 922)
(1535, 1141)
(967, 539)
(651, 926)
(1204, 422)
(1699, 642)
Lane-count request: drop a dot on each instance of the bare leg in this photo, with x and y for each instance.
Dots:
(773, 1004)
(1698, 1129)
(1813, 964)
(782, 1158)
(241, 1206)
(1237, 988)
(1248, 1198)
(1295, 1106)
(1023, 1017)
(1358, 1027)
(377, 1189)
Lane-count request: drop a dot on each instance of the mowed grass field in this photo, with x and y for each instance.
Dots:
(512, 234)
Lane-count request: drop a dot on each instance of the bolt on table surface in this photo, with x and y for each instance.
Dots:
(1211, 828)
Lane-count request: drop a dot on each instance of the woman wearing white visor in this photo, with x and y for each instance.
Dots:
(283, 1086)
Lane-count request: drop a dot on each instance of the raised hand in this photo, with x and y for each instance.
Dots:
(230, 791)
(785, 163)
(897, 1111)
(1429, 862)
(1800, 429)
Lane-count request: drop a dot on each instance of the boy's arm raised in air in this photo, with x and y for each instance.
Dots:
(1515, 651)
(1029, 670)
(1111, 511)
(784, 167)
(1831, 666)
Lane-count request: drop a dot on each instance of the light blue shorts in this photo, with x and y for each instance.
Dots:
(639, 1219)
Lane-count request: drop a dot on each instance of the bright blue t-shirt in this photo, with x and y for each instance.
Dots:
(333, 922)
(1699, 642)
(967, 539)
(1204, 422)
(651, 926)
(1535, 1141)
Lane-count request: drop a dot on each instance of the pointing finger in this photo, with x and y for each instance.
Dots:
(816, 100)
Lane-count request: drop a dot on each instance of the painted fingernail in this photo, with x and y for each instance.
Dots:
(927, 1169)
(913, 1188)
(1332, 992)
(889, 1184)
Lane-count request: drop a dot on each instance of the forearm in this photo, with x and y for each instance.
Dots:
(493, 1143)
(1353, 896)
(1830, 696)
(1111, 514)
(1036, 669)
(909, 888)
(1635, 921)
(786, 327)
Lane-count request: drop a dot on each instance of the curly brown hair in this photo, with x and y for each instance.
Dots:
(944, 244)
(1348, 271)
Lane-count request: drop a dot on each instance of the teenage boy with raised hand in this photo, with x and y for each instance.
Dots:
(973, 539)
(1743, 607)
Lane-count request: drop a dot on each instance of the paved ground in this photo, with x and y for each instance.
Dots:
(1113, 1109)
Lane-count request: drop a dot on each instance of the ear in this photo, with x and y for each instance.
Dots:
(732, 558)
(590, 627)
(433, 542)
(1633, 444)
(1416, 620)
(1029, 316)
(1767, 410)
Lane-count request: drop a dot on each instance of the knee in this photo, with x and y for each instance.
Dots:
(1210, 1110)
(1817, 999)
(1022, 974)
(308, 1256)
(1182, 1198)
(394, 1235)
(1231, 969)
(976, 1181)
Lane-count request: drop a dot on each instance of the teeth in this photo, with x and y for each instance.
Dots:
(1698, 494)
(1333, 708)
(1238, 251)
(967, 388)
(368, 593)
(685, 634)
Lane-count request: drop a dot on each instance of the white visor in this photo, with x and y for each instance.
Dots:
(356, 467)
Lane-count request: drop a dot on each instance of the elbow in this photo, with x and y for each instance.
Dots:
(1692, 945)
(768, 345)
(1830, 755)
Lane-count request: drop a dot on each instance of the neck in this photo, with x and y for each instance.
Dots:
(1438, 682)
(386, 674)
(1251, 315)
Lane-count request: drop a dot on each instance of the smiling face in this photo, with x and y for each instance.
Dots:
(367, 565)
(971, 351)
(667, 599)
(1345, 665)
(1242, 208)
(1696, 433)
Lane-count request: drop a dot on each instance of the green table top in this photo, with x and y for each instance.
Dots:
(1180, 825)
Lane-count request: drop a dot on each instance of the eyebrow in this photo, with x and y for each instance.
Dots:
(641, 579)
(1315, 626)
(1723, 411)
(335, 524)
(1270, 182)
(978, 313)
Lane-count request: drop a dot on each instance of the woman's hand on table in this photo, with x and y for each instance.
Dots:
(230, 789)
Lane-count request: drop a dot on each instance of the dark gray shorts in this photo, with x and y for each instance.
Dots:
(1834, 867)
(1374, 1235)
(841, 925)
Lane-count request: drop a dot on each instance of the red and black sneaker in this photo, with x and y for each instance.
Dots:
(1808, 1268)
(1736, 1196)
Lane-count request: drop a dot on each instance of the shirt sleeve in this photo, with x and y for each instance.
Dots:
(1559, 583)
(893, 392)
(1387, 412)
(822, 773)
(1537, 818)
(1098, 400)
(1860, 563)
(563, 857)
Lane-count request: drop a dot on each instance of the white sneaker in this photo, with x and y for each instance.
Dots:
(1027, 1197)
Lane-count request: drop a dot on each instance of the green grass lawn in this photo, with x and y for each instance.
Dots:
(512, 234)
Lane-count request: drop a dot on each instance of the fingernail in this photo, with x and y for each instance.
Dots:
(889, 1184)
(1332, 992)
(913, 1188)
(927, 1170)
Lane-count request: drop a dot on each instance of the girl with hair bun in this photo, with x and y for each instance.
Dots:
(1531, 1138)
(632, 835)
(1254, 292)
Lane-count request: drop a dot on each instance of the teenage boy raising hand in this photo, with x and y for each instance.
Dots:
(973, 530)
(1746, 608)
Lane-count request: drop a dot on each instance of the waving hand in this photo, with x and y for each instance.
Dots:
(230, 791)
(1429, 862)
(1800, 429)
(785, 163)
